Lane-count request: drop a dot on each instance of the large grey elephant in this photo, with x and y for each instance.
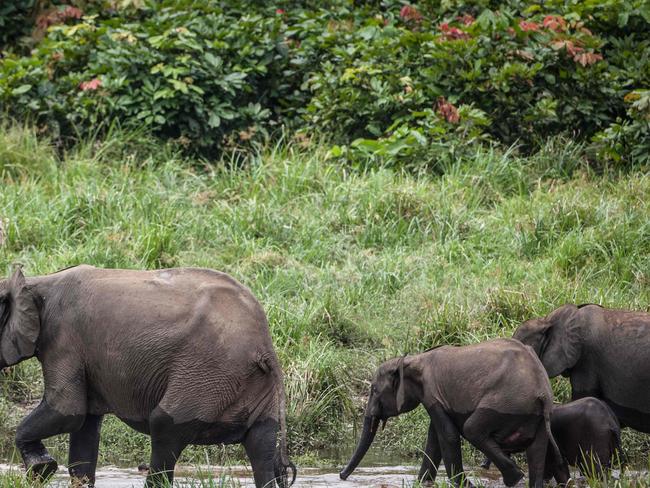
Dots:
(495, 394)
(184, 355)
(604, 352)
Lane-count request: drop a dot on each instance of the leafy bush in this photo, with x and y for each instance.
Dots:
(628, 141)
(383, 79)
(14, 20)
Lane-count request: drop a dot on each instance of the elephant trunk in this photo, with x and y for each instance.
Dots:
(370, 425)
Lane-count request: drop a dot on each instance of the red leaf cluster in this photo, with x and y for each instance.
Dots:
(466, 19)
(528, 26)
(448, 111)
(587, 58)
(408, 13)
(453, 33)
(554, 22)
(579, 55)
(58, 17)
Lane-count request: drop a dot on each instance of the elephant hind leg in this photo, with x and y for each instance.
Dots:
(478, 429)
(260, 445)
(167, 443)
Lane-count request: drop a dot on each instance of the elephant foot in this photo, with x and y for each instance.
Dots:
(511, 479)
(40, 467)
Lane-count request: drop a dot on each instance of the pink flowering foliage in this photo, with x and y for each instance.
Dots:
(91, 85)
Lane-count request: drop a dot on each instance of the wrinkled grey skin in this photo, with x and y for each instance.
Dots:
(495, 394)
(604, 352)
(184, 355)
(588, 435)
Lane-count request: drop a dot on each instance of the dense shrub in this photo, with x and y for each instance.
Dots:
(383, 79)
(14, 20)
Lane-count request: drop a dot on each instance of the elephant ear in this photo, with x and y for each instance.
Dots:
(562, 342)
(20, 321)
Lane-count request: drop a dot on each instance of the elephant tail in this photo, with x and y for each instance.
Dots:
(559, 458)
(283, 461)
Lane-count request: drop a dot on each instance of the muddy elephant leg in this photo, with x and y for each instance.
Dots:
(43, 422)
(449, 441)
(432, 456)
(167, 443)
(478, 429)
(84, 448)
(260, 448)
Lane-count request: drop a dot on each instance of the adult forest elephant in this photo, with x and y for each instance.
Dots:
(495, 394)
(604, 352)
(184, 355)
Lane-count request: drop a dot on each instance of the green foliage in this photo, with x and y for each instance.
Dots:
(418, 85)
(628, 141)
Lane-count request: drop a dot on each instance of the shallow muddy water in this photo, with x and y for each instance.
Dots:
(241, 476)
(380, 477)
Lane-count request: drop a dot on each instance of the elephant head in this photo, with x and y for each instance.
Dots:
(395, 389)
(556, 339)
(19, 320)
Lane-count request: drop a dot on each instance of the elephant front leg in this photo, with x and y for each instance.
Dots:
(43, 422)
(84, 449)
(432, 457)
(449, 441)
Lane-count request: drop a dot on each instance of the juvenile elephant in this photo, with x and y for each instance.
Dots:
(495, 394)
(588, 435)
(184, 355)
(604, 352)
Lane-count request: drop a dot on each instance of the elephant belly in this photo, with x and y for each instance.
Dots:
(219, 433)
(629, 417)
(200, 433)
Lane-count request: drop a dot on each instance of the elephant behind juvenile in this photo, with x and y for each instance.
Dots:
(495, 394)
(184, 355)
(604, 352)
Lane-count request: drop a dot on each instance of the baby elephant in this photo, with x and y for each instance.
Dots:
(588, 435)
(495, 394)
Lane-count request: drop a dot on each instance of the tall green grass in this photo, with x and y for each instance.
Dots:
(353, 265)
